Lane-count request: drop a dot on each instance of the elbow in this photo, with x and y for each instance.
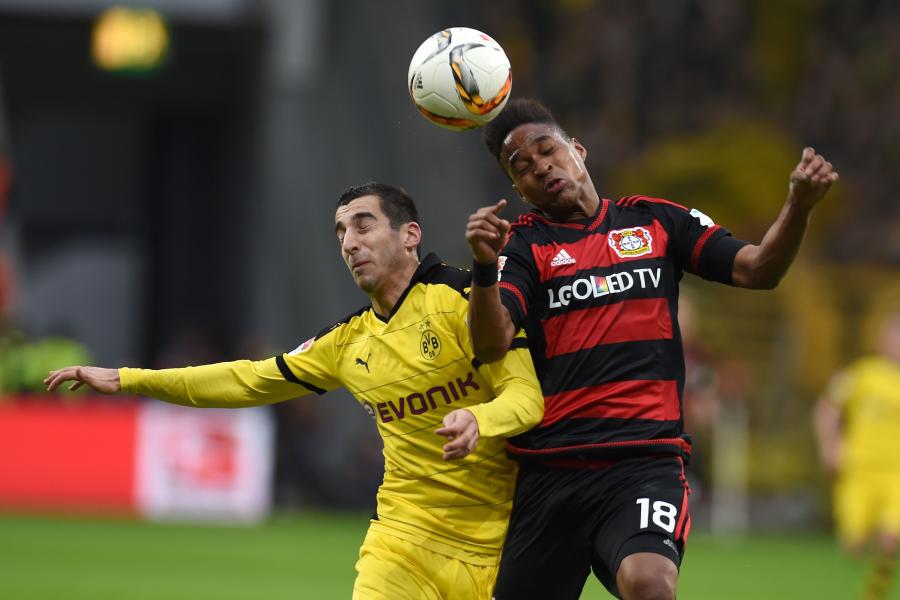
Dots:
(488, 353)
(757, 280)
(767, 283)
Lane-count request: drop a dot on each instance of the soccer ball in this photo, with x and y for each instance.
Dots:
(459, 78)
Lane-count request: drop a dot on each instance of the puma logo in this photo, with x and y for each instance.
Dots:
(364, 363)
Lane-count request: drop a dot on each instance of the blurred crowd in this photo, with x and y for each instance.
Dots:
(626, 77)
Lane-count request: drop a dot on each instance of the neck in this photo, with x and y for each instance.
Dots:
(385, 299)
(584, 207)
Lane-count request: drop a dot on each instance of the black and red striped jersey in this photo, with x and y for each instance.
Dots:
(598, 299)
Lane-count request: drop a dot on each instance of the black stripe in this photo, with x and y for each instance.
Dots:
(585, 431)
(625, 361)
(289, 376)
(517, 344)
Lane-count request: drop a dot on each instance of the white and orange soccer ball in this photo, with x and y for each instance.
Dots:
(459, 78)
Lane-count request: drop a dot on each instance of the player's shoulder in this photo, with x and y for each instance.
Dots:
(344, 322)
(650, 203)
(871, 366)
(447, 278)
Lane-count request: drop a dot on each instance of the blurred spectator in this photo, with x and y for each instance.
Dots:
(24, 362)
(825, 73)
(857, 422)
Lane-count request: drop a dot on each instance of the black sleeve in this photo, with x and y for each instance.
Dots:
(698, 245)
(517, 278)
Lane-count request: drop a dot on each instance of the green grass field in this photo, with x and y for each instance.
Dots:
(311, 555)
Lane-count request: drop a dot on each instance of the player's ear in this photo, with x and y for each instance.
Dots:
(579, 148)
(413, 235)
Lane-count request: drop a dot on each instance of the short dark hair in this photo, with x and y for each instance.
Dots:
(395, 202)
(518, 111)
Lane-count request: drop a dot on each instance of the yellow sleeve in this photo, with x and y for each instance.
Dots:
(519, 402)
(228, 385)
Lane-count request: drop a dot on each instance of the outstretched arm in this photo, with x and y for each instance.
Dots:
(229, 385)
(490, 324)
(762, 266)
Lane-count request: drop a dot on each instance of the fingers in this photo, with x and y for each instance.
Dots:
(460, 447)
(486, 222)
(814, 170)
(59, 376)
(461, 429)
(806, 157)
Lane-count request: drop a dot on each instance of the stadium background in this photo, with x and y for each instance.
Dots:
(181, 213)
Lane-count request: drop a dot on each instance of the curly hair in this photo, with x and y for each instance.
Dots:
(518, 111)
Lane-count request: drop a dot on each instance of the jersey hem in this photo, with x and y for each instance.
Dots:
(474, 555)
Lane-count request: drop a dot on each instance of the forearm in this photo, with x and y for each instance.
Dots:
(490, 325)
(517, 409)
(762, 266)
(231, 384)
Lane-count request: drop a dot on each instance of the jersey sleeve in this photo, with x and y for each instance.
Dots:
(518, 278)
(518, 404)
(311, 365)
(698, 245)
(224, 385)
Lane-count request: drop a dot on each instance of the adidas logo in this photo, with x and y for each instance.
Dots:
(562, 258)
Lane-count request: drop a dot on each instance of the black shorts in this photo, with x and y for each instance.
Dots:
(566, 522)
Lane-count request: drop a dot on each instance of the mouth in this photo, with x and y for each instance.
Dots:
(357, 265)
(554, 185)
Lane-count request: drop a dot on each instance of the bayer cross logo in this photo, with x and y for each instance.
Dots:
(429, 342)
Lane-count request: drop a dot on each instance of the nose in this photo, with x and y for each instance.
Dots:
(542, 166)
(349, 244)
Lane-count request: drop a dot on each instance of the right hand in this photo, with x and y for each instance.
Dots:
(486, 233)
(105, 381)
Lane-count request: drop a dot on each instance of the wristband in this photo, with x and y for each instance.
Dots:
(484, 275)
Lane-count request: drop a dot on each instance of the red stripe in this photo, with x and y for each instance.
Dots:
(698, 247)
(636, 199)
(656, 400)
(683, 513)
(626, 321)
(593, 251)
(679, 442)
(517, 293)
(604, 208)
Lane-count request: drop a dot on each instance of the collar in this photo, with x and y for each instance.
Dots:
(427, 264)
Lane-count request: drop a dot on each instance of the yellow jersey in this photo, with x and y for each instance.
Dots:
(868, 393)
(408, 370)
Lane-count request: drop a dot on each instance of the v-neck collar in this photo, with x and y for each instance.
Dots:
(430, 262)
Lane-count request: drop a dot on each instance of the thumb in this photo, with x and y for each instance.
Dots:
(807, 155)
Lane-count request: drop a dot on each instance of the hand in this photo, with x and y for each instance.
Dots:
(486, 233)
(811, 179)
(461, 428)
(105, 381)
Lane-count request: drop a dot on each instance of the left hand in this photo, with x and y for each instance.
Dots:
(811, 179)
(461, 429)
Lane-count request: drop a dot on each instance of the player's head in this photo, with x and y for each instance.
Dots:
(378, 229)
(545, 165)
